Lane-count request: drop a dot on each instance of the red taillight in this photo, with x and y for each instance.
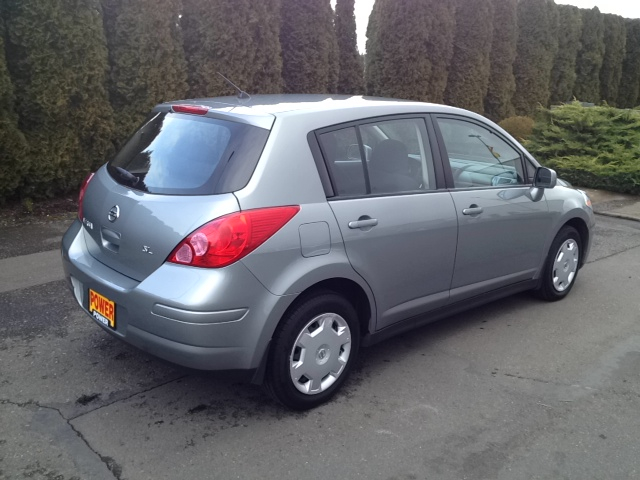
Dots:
(83, 189)
(227, 239)
(190, 109)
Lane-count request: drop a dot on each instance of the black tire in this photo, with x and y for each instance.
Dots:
(279, 380)
(547, 289)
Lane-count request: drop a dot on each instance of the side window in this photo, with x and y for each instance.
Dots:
(478, 157)
(342, 155)
(399, 156)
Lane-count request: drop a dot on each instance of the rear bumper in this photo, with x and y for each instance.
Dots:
(208, 319)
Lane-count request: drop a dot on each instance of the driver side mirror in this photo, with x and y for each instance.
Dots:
(545, 178)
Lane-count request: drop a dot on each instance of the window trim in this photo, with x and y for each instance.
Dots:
(445, 154)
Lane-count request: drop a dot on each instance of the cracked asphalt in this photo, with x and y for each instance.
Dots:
(518, 389)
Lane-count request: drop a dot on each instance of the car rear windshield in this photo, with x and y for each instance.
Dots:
(177, 154)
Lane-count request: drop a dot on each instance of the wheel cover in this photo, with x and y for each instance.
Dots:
(565, 265)
(320, 353)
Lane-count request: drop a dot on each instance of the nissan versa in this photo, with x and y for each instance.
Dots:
(280, 234)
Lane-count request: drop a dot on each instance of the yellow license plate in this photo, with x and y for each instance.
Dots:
(102, 309)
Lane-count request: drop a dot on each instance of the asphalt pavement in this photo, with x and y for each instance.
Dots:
(517, 389)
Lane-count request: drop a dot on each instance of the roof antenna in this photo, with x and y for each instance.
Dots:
(243, 97)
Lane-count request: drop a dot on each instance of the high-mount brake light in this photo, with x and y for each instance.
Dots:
(190, 109)
(83, 189)
(227, 239)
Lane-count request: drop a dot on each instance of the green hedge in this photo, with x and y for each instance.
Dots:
(597, 147)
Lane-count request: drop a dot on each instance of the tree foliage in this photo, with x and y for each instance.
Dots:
(350, 80)
(146, 57)
(595, 147)
(470, 65)
(536, 51)
(309, 46)
(629, 92)
(13, 161)
(442, 28)
(267, 76)
(415, 43)
(563, 74)
(57, 58)
(502, 83)
(615, 40)
(373, 56)
(590, 57)
(218, 38)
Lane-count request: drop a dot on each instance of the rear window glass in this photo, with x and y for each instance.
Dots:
(176, 154)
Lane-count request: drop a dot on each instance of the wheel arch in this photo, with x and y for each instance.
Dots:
(361, 299)
(581, 226)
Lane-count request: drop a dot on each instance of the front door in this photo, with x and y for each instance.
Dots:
(502, 222)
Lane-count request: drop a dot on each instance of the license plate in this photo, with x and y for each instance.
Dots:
(102, 309)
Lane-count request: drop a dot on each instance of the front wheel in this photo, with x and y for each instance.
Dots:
(313, 351)
(561, 266)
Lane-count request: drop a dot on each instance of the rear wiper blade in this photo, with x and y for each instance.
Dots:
(130, 177)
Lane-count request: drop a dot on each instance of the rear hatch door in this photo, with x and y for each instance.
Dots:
(173, 176)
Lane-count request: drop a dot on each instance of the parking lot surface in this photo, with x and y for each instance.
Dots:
(517, 389)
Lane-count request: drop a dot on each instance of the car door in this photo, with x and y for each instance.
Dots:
(503, 222)
(399, 230)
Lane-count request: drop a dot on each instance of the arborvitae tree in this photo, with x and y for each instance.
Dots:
(415, 42)
(406, 67)
(502, 83)
(563, 74)
(537, 47)
(351, 75)
(308, 45)
(628, 95)
(615, 40)
(334, 56)
(268, 55)
(442, 30)
(590, 57)
(373, 56)
(146, 56)
(13, 162)
(470, 66)
(57, 57)
(218, 38)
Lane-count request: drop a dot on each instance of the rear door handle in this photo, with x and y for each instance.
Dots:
(363, 223)
(472, 210)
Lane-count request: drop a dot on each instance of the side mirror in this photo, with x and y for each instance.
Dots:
(545, 178)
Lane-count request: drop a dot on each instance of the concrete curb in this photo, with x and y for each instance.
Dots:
(618, 215)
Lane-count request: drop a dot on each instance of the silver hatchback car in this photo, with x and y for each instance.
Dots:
(278, 235)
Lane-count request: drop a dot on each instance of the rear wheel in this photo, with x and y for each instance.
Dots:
(561, 266)
(313, 351)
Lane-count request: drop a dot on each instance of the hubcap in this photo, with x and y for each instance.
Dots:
(565, 265)
(320, 353)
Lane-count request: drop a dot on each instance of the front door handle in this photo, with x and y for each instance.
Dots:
(472, 210)
(363, 222)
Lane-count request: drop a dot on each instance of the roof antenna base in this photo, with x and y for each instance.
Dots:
(242, 96)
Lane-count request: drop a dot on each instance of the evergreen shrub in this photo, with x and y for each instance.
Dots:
(519, 127)
(596, 147)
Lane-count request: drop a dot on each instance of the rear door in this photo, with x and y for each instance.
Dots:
(399, 229)
(502, 226)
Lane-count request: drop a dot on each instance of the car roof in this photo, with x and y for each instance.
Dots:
(260, 110)
(306, 103)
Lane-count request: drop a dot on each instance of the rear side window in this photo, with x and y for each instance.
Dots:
(397, 159)
(175, 154)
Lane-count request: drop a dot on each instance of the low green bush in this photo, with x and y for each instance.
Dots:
(520, 128)
(596, 147)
